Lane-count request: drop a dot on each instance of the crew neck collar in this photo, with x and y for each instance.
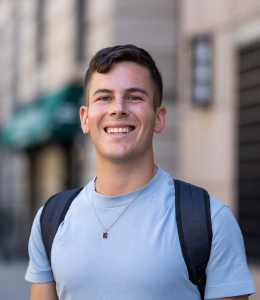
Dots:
(124, 199)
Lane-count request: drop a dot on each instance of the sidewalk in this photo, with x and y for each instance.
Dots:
(12, 283)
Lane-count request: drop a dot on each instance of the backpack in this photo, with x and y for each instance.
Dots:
(193, 218)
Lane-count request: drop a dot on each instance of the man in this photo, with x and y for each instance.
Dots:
(119, 238)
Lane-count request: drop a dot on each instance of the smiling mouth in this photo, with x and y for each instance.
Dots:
(117, 130)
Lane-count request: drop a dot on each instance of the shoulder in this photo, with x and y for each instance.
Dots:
(225, 227)
(223, 219)
(36, 226)
(217, 206)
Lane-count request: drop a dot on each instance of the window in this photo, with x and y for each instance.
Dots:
(80, 30)
(249, 148)
(40, 30)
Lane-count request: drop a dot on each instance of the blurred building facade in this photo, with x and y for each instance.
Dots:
(219, 108)
(208, 53)
(45, 48)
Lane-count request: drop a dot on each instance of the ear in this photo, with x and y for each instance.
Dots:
(160, 119)
(83, 114)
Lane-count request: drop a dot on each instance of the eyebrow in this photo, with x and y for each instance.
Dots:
(103, 91)
(136, 89)
(129, 90)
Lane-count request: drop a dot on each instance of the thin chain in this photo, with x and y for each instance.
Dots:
(106, 229)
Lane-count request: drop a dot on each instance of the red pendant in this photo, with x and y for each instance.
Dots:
(104, 235)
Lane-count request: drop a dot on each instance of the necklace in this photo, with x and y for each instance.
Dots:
(106, 229)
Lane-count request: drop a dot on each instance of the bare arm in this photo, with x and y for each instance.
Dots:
(245, 297)
(44, 291)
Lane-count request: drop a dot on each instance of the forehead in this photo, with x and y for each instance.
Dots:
(122, 76)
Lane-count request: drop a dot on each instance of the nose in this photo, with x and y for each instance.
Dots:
(119, 107)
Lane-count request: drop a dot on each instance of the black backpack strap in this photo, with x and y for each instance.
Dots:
(193, 217)
(53, 213)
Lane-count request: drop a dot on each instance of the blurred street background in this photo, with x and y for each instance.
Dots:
(12, 283)
(208, 52)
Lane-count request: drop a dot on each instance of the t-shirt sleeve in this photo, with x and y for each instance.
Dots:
(39, 269)
(227, 271)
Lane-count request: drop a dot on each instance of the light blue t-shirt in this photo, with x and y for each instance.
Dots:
(141, 259)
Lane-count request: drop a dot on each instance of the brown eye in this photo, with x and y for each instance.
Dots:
(104, 98)
(134, 98)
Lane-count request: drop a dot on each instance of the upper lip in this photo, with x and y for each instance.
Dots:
(119, 125)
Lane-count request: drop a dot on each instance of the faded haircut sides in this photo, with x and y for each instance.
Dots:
(106, 58)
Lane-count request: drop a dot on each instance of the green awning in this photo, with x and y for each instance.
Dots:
(54, 116)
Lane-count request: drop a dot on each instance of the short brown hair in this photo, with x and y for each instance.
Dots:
(105, 59)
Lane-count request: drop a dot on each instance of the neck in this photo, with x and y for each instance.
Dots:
(115, 179)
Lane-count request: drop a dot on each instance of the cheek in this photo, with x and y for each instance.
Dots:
(95, 121)
(149, 116)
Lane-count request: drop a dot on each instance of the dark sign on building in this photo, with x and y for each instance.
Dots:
(201, 91)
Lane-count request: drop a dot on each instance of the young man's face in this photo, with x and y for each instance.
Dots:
(120, 116)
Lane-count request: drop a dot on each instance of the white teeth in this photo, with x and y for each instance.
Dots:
(118, 130)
